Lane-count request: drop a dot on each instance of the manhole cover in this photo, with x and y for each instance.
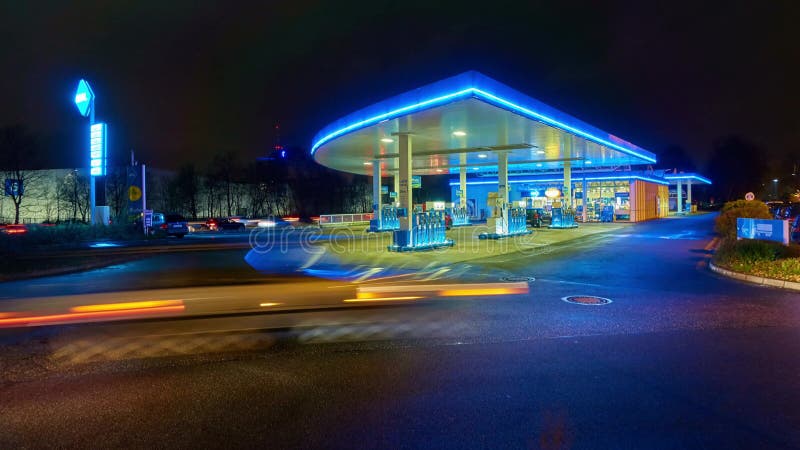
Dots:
(590, 300)
(515, 279)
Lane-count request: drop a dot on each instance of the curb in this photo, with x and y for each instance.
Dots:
(770, 282)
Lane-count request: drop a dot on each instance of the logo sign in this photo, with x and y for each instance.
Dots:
(97, 149)
(134, 193)
(14, 187)
(749, 196)
(763, 229)
(416, 182)
(84, 98)
(552, 192)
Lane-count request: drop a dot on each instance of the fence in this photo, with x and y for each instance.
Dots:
(344, 219)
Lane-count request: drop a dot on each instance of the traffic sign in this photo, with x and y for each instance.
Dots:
(14, 187)
(134, 193)
(749, 196)
(148, 218)
(84, 98)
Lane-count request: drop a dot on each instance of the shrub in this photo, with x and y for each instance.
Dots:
(760, 258)
(750, 251)
(725, 223)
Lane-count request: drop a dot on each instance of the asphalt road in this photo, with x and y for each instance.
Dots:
(682, 358)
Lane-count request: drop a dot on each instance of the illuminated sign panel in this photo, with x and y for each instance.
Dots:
(83, 98)
(97, 149)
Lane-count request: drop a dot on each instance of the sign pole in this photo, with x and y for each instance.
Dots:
(92, 185)
(144, 200)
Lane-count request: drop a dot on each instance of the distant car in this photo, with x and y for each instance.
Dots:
(228, 225)
(13, 229)
(788, 212)
(175, 225)
(273, 222)
(170, 225)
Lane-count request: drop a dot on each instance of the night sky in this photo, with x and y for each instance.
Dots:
(180, 81)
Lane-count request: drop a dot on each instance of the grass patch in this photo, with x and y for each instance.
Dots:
(760, 258)
(67, 236)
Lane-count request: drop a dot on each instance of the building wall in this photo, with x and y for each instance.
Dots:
(663, 196)
(647, 200)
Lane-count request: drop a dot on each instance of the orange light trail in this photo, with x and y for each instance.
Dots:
(443, 290)
(380, 299)
(487, 291)
(51, 319)
(127, 305)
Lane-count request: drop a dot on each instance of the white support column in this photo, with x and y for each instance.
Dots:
(396, 189)
(689, 194)
(502, 191)
(376, 191)
(404, 176)
(679, 208)
(462, 178)
(584, 195)
(568, 184)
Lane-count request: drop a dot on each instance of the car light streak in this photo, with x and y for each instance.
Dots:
(127, 305)
(480, 291)
(52, 319)
(368, 293)
(380, 299)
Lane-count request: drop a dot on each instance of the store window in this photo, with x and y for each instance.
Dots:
(605, 200)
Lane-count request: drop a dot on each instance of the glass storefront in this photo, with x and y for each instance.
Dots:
(604, 197)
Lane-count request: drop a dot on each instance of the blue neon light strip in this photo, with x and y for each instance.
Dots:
(97, 149)
(393, 114)
(557, 124)
(577, 179)
(471, 79)
(690, 176)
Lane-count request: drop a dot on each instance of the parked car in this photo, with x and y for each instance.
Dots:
(175, 225)
(788, 212)
(169, 225)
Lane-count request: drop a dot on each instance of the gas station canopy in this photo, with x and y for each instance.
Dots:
(465, 121)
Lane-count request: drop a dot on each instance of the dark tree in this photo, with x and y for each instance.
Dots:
(117, 190)
(226, 169)
(186, 187)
